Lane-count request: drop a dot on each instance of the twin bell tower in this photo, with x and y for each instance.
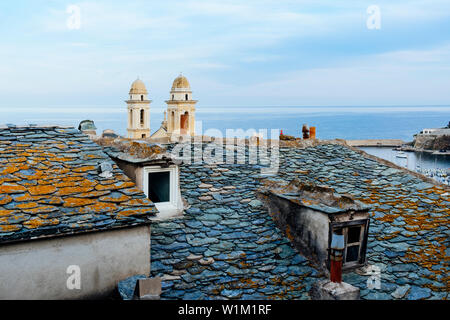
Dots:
(179, 119)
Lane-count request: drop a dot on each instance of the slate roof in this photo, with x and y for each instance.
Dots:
(227, 246)
(50, 185)
(319, 198)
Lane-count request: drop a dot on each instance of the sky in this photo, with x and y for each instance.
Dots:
(234, 53)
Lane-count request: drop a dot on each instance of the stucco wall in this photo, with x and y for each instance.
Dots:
(38, 269)
(307, 229)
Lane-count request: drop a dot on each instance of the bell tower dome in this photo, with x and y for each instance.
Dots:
(138, 108)
(181, 108)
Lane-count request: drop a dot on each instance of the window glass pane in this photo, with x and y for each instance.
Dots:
(159, 186)
(352, 254)
(353, 234)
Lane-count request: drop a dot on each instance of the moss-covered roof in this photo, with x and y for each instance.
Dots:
(50, 184)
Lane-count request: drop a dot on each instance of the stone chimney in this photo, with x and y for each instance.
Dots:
(88, 127)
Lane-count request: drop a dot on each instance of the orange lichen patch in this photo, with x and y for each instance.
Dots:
(28, 183)
(84, 169)
(101, 187)
(4, 212)
(116, 186)
(72, 190)
(428, 256)
(18, 159)
(92, 194)
(91, 156)
(45, 182)
(40, 209)
(24, 154)
(133, 212)
(249, 283)
(99, 207)
(34, 151)
(58, 173)
(122, 198)
(122, 177)
(388, 237)
(5, 199)
(52, 200)
(25, 197)
(137, 202)
(41, 189)
(77, 202)
(132, 190)
(389, 217)
(22, 145)
(60, 146)
(38, 174)
(68, 181)
(87, 183)
(289, 234)
(27, 205)
(9, 178)
(14, 218)
(10, 227)
(38, 222)
(107, 182)
(126, 185)
(9, 170)
(11, 188)
(48, 155)
(61, 159)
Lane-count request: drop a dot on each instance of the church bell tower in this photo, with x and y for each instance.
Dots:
(181, 108)
(138, 108)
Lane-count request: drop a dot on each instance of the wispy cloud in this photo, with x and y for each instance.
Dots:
(257, 51)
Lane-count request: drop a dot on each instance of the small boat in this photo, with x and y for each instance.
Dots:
(401, 155)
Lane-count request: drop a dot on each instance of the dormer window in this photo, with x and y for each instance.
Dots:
(161, 186)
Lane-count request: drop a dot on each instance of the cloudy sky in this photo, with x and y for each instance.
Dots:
(235, 53)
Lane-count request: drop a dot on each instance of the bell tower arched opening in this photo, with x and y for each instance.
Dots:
(142, 117)
(172, 121)
(184, 123)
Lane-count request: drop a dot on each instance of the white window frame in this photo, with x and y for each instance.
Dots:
(169, 207)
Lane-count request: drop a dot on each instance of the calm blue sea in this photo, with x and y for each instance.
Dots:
(330, 122)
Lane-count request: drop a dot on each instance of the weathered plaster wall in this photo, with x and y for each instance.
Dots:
(38, 269)
(307, 229)
(132, 171)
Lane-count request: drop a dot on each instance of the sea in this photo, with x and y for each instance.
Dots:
(343, 122)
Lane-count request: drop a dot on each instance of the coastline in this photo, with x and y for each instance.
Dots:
(375, 143)
(432, 152)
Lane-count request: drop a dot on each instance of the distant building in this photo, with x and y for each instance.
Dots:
(161, 134)
(138, 111)
(67, 211)
(436, 131)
